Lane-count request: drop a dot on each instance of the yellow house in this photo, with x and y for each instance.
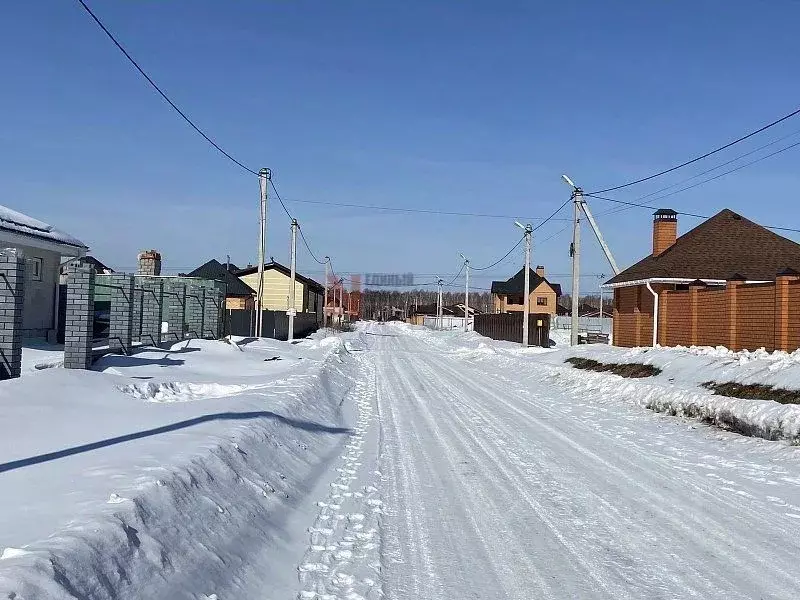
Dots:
(308, 294)
(507, 296)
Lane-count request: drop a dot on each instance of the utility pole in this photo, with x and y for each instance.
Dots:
(325, 304)
(577, 195)
(264, 176)
(292, 275)
(466, 294)
(527, 310)
(439, 312)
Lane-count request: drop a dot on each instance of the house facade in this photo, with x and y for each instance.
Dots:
(508, 296)
(44, 248)
(727, 282)
(238, 295)
(308, 294)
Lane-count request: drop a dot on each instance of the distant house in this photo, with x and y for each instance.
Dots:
(729, 282)
(308, 294)
(99, 268)
(238, 295)
(44, 247)
(507, 296)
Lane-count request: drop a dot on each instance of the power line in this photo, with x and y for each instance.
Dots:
(278, 196)
(702, 156)
(161, 92)
(310, 251)
(426, 211)
(775, 227)
(464, 264)
(554, 213)
(505, 256)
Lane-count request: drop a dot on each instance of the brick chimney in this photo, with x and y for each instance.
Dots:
(540, 271)
(665, 229)
(149, 263)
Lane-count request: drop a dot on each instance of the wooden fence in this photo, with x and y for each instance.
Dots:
(508, 327)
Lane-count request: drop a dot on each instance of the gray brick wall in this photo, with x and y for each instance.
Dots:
(12, 296)
(175, 309)
(212, 314)
(79, 316)
(194, 310)
(152, 315)
(120, 332)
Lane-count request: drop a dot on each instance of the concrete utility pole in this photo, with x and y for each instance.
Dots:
(527, 310)
(292, 274)
(466, 294)
(264, 176)
(325, 304)
(439, 312)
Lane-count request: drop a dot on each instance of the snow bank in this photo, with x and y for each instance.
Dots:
(108, 494)
(676, 391)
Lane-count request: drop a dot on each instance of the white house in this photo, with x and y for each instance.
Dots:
(44, 248)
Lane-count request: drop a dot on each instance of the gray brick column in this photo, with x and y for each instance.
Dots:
(211, 314)
(80, 316)
(175, 296)
(194, 311)
(12, 290)
(120, 331)
(138, 296)
(152, 309)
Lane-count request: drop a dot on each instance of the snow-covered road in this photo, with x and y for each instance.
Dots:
(488, 479)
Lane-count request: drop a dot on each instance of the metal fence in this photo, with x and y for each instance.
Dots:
(274, 324)
(447, 323)
(586, 324)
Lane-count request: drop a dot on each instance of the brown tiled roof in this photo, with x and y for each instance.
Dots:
(727, 244)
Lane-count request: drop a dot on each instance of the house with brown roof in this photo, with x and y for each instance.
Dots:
(508, 296)
(729, 282)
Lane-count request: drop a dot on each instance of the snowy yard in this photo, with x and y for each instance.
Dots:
(393, 462)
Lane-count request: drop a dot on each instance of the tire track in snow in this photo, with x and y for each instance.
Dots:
(343, 556)
(691, 526)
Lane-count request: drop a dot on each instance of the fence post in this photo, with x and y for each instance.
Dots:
(176, 308)
(12, 297)
(120, 331)
(694, 297)
(79, 320)
(152, 308)
(782, 307)
(731, 288)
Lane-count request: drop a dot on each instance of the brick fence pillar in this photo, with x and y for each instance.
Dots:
(194, 311)
(694, 298)
(175, 293)
(731, 296)
(12, 296)
(212, 313)
(782, 307)
(120, 331)
(152, 309)
(79, 319)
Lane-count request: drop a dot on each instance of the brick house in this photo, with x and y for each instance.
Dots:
(507, 296)
(728, 282)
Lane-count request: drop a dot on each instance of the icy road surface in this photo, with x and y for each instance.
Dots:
(483, 477)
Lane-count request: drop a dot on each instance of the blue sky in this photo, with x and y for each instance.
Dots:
(461, 106)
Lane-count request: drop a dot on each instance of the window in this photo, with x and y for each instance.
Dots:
(541, 300)
(34, 265)
(515, 299)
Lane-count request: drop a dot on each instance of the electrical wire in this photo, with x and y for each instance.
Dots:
(161, 92)
(702, 156)
(688, 214)
(554, 213)
(278, 196)
(425, 211)
(505, 256)
(461, 270)
(310, 251)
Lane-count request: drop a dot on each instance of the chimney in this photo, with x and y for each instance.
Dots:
(149, 263)
(665, 229)
(540, 271)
